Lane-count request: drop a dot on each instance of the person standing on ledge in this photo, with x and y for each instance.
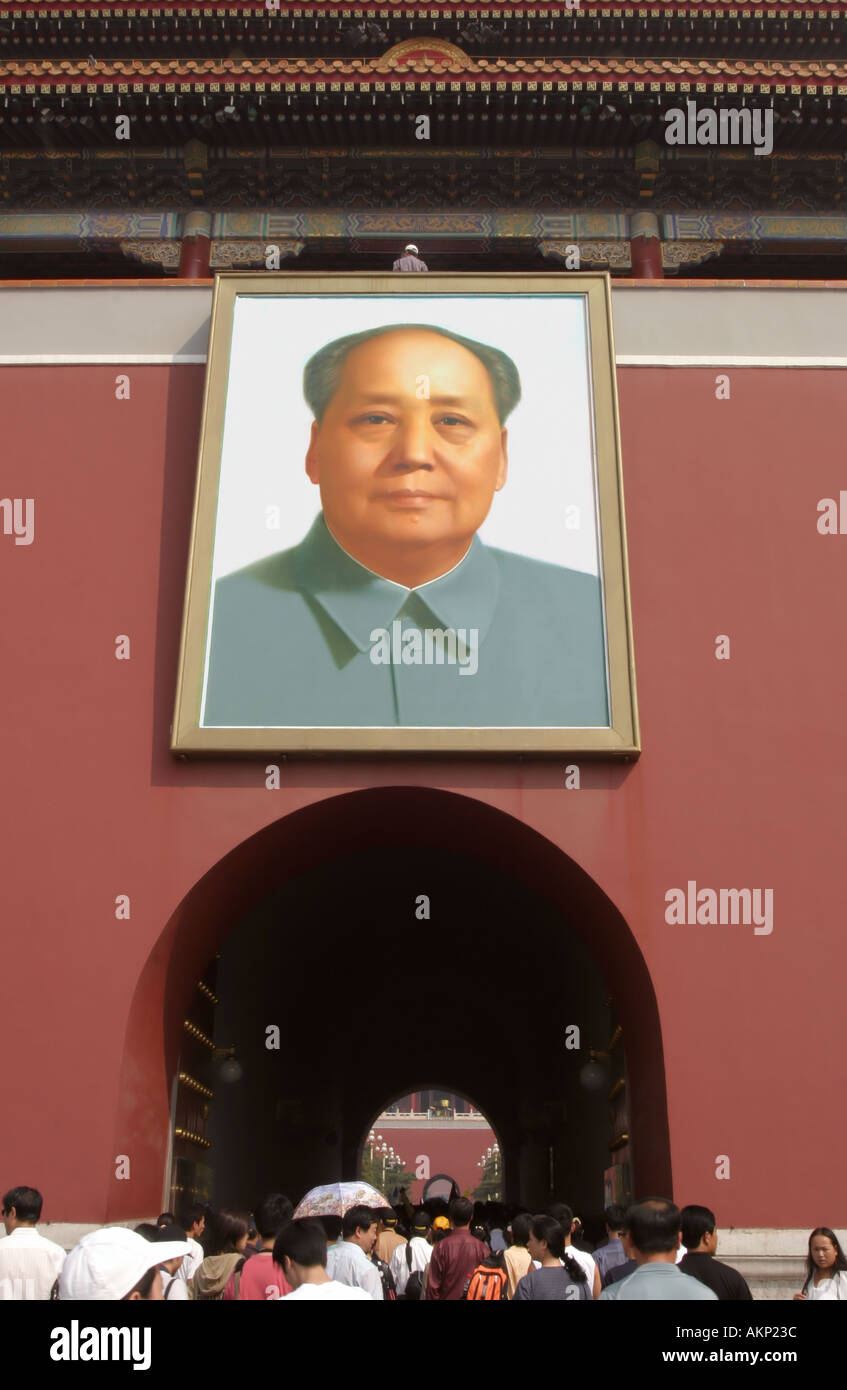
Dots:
(410, 260)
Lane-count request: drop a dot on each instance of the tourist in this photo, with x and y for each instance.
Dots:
(29, 1263)
(386, 1278)
(300, 1250)
(517, 1257)
(629, 1266)
(227, 1245)
(440, 1231)
(173, 1288)
(260, 1279)
(349, 1260)
(700, 1235)
(388, 1237)
(456, 1257)
(117, 1264)
(826, 1278)
(653, 1229)
(610, 1255)
(497, 1226)
(193, 1222)
(412, 1258)
(577, 1239)
(558, 1275)
(410, 260)
(564, 1215)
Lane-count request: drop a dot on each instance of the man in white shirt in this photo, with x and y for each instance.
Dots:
(349, 1260)
(193, 1221)
(29, 1264)
(414, 1256)
(300, 1251)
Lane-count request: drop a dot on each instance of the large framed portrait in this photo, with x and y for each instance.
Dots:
(409, 525)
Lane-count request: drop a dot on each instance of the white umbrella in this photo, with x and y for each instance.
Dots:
(336, 1198)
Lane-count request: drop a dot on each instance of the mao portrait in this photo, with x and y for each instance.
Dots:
(395, 606)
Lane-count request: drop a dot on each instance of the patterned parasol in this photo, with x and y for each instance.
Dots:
(338, 1197)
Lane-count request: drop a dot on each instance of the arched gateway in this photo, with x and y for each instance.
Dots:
(323, 931)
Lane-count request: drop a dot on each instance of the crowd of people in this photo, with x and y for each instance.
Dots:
(437, 1253)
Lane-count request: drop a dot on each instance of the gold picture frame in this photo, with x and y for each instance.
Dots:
(618, 738)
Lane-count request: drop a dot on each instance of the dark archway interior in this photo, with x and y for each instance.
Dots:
(372, 1001)
(336, 954)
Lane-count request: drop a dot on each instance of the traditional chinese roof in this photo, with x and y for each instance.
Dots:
(659, 8)
(330, 27)
(536, 106)
(434, 61)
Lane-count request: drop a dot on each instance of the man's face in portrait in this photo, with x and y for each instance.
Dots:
(409, 454)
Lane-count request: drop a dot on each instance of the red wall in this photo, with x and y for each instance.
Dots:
(740, 782)
(450, 1150)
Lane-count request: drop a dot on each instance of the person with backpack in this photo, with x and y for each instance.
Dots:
(389, 1288)
(559, 1276)
(489, 1282)
(409, 1262)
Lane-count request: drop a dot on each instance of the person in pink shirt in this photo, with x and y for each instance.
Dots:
(259, 1279)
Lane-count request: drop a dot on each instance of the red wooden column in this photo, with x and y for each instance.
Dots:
(196, 246)
(646, 247)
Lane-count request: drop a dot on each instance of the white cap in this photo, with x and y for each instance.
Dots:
(412, 247)
(107, 1263)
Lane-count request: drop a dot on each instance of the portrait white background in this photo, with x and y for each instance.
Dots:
(550, 432)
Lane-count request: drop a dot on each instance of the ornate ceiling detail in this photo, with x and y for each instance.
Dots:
(677, 253)
(226, 254)
(152, 252)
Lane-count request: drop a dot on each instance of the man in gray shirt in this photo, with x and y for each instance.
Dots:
(410, 260)
(653, 1236)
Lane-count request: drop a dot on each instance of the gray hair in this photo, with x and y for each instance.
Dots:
(323, 369)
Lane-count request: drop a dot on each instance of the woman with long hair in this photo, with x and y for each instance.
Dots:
(229, 1238)
(826, 1266)
(559, 1276)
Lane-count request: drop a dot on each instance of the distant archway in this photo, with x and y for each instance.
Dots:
(432, 1130)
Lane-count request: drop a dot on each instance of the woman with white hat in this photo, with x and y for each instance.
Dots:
(116, 1263)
